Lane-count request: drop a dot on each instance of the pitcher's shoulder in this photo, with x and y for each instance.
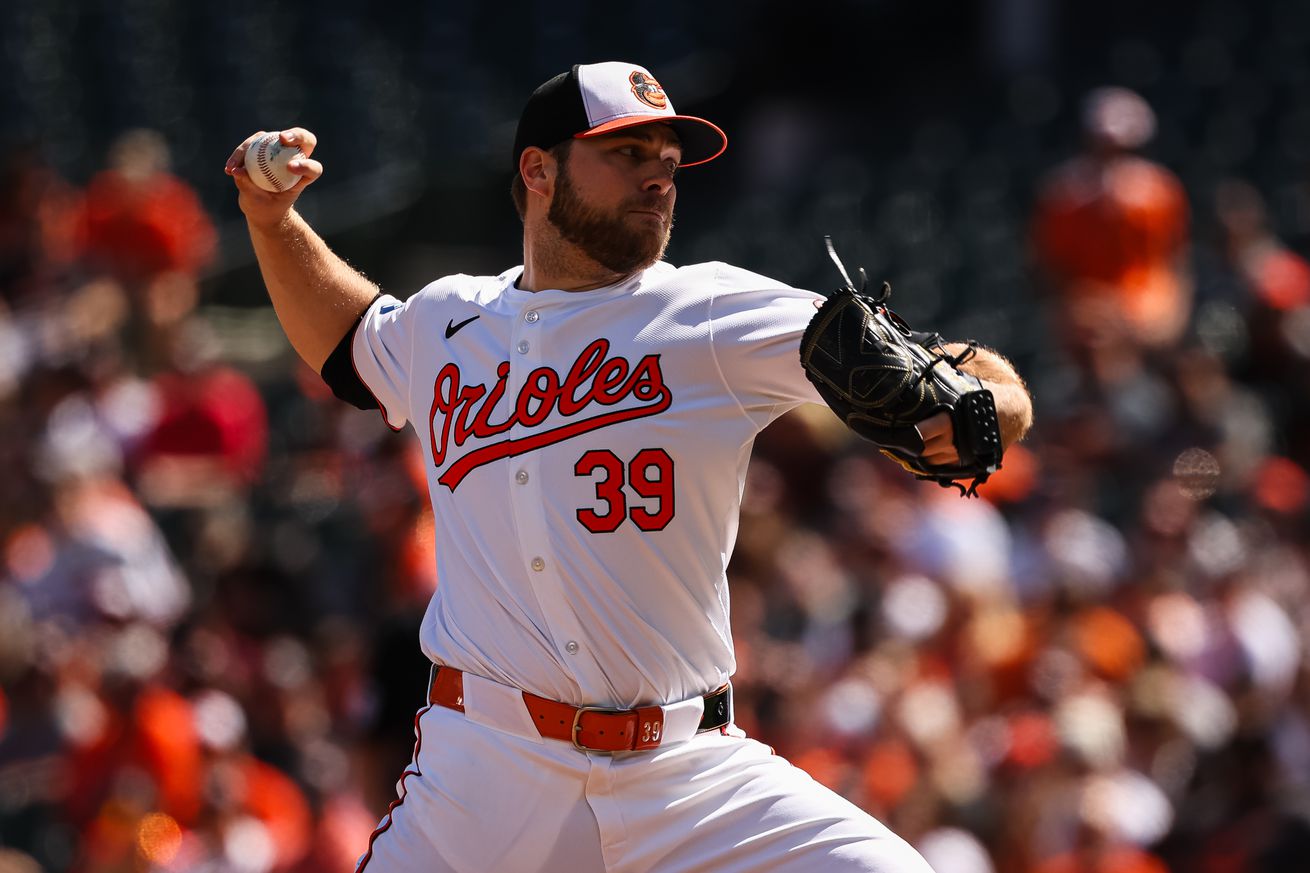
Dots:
(459, 288)
(716, 277)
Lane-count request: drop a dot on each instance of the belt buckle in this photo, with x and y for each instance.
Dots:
(577, 726)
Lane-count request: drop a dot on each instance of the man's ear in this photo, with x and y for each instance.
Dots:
(538, 170)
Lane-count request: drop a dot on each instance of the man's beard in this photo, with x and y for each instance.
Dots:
(609, 239)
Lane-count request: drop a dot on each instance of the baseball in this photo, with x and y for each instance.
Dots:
(266, 162)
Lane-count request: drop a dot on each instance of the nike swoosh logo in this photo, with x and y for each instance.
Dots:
(452, 328)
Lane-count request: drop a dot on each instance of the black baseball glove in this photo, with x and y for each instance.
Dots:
(882, 379)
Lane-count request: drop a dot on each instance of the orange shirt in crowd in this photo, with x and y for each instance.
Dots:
(158, 736)
(140, 228)
(1117, 227)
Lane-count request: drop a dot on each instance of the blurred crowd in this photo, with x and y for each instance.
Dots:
(1102, 666)
(211, 576)
(186, 589)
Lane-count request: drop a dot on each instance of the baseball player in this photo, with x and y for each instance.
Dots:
(587, 419)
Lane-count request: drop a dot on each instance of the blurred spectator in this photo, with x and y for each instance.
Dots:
(39, 233)
(207, 445)
(1274, 286)
(1275, 276)
(147, 231)
(1111, 230)
(142, 221)
(1095, 855)
(100, 557)
(211, 805)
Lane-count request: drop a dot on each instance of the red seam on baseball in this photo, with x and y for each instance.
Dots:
(261, 158)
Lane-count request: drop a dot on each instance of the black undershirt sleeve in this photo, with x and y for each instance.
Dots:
(339, 371)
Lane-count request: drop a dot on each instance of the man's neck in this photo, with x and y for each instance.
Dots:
(550, 261)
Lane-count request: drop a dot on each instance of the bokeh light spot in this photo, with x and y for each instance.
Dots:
(1197, 472)
(158, 837)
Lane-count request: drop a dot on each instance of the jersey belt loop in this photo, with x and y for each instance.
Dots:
(447, 688)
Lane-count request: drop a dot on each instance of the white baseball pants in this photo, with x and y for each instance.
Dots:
(486, 794)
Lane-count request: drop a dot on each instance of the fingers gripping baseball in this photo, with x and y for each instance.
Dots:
(264, 206)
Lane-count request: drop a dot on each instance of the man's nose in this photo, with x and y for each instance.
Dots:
(660, 180)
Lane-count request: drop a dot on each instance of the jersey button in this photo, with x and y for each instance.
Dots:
(538, 564)
(521, 477)
(532, 316)
(571, 647)
(523, 347)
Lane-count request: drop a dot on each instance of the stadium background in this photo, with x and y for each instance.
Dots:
(212, 573)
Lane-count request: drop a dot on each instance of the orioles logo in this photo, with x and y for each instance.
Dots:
(648, 91)
(585, 399)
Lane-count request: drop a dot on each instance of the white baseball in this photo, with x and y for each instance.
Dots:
(266, 162)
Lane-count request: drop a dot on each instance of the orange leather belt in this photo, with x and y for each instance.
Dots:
(589, 728)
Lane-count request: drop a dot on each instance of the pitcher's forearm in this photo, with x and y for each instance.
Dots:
(1014, 406)
(1014, 410)
(317, 296)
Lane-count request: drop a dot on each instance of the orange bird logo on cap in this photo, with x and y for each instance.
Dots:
(648, 91)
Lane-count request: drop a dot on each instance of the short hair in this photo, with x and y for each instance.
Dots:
(518, 191)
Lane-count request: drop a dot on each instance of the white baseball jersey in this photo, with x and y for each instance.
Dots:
(586, 454)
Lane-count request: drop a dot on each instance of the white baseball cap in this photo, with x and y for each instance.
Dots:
(593, 99)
